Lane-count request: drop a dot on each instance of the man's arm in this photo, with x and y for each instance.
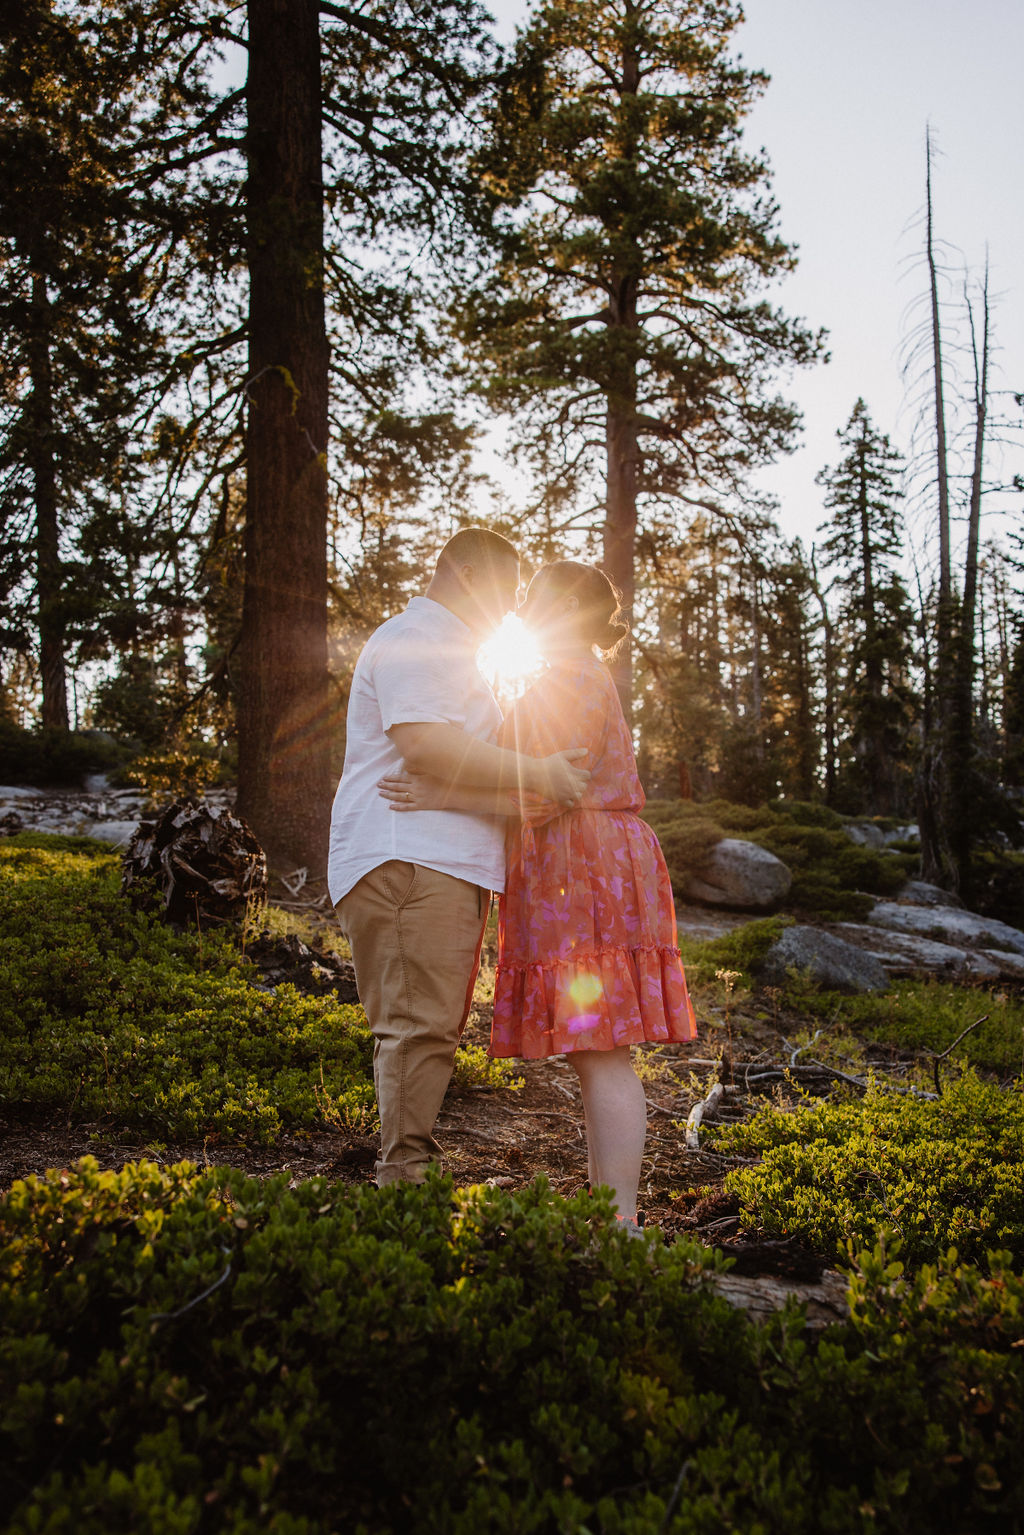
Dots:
(415, 791)
(448, 753)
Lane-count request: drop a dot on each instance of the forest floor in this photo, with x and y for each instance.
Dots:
(486, 1134)
(510, 1136)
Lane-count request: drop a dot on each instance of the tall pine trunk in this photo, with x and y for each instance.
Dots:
(621, 434)
(877, 763)
(620, 515)
(284, 777)
(42, 453)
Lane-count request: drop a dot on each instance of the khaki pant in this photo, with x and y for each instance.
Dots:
(416, 936)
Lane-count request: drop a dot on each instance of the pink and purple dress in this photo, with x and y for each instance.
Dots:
(588, 956)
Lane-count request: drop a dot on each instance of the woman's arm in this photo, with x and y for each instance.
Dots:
(418, 791)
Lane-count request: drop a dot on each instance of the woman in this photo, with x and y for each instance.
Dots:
(588, 962)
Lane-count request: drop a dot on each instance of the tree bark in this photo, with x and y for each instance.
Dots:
(621, 433)
(42, 454)
(620, 523)
(829, 681)
(284, 776)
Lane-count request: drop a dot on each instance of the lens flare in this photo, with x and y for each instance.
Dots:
(509, 659)
(585, 990)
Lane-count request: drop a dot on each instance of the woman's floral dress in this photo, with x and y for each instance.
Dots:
(587, 948)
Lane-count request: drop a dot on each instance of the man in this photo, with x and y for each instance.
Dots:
(412, 891)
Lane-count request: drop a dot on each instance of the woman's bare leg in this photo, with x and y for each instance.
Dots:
(615, 1108)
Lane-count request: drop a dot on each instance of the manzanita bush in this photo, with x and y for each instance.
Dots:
(199, 1351)
(939, 1173)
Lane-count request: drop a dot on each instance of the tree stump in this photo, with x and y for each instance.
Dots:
(202, 867)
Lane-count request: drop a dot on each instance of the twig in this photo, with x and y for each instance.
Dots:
(294, 882)
(705, 1108)
(795, 1050)
(670, 1509)
(775, 1072)
(863, 1084)
(171, 1316)
(551, 1114)
(937, 1058)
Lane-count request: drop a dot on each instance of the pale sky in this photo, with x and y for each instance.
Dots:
(843, 123)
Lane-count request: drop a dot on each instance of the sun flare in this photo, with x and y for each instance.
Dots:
(510, 659)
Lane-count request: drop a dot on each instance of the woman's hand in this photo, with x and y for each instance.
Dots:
(414, 791)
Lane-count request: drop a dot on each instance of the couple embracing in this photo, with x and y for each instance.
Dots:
(443, 802)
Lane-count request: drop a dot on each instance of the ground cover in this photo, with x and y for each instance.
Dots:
(663, 1410)
(833, 878)
(927, 1015)
(193, 1350)
(940, 1173)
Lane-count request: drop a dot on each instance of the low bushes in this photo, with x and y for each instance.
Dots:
(832, 877)
(928, 1014)
(55, 756)
(184, 1351)
(944, 1173)
(742, 951)
(105, 1012)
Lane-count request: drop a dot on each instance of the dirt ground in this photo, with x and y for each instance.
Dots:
(499, 1135)
(487, 1134)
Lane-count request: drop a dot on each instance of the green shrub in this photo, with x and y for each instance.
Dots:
(944, 1173)
(55, 756)
(807, 813)
(742, 950)
(928, 1014)
(832, 877)
(184, 1351)
(475, 1068)
(105, 1012)
(172, 771)
(738, 819)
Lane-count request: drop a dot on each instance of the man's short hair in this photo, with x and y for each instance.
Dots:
(478, 547)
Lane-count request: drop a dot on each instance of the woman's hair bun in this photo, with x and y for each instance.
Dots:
(599, 612)
(609, 638)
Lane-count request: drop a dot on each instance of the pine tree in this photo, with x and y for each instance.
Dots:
(78, 340)
(637, 232)
(862, 543)
(361, 118)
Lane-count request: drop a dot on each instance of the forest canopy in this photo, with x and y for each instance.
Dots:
(271, 274)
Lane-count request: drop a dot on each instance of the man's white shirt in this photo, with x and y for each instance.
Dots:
(417, 668)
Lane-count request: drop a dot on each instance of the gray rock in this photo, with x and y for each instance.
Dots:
(905, 953)
(947, 924)
(18, 792)
(834, 965)
(865, 834)
(740, 875)
(117, 833)
(1011, 966)
(707, 921)
(902, 834)
(917, 892)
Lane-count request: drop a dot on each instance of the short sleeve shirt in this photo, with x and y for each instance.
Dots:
(417, 668)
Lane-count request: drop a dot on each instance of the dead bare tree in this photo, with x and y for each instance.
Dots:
(961, 720)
